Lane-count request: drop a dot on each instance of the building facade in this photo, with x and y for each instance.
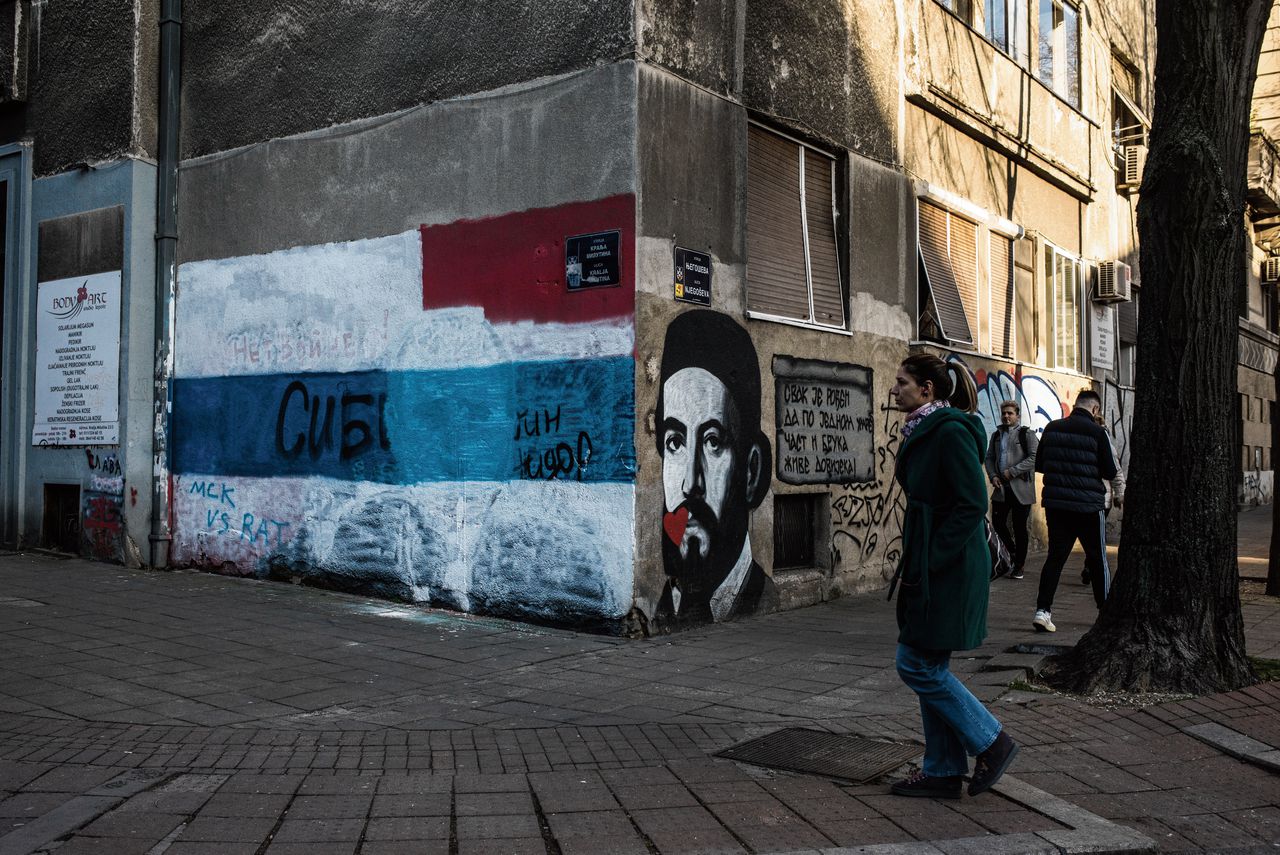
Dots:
(586, 314)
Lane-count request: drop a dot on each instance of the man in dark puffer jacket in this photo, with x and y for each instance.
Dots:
(1075, 458)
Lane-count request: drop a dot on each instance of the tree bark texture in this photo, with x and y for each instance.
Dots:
(1273, 556)
(1172, 621)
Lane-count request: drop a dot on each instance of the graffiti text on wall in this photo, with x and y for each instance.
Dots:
(869, 515)
(544, 455)
(107, 475)
(825, 427)
(223, 518)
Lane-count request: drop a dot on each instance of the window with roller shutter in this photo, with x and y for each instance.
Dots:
(949, 264)
(793, 264)
(1003, 304)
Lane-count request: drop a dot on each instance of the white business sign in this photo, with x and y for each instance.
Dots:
(78, 361)
(1102, 328)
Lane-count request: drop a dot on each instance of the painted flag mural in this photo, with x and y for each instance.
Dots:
(430, 416)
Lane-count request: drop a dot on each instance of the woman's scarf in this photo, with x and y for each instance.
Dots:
(919, 414)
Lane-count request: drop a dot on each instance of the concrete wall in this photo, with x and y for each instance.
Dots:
(257, 71)
(114, 480)
(92, 83)
(383, 384)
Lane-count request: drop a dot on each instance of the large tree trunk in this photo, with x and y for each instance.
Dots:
(1273, 557)
(1173, 621)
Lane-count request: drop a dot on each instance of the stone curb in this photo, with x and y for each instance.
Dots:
(1236, 744)
(1085, 832)
(79, 811)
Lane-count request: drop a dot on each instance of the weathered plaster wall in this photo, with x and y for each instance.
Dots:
(91, 83)
(383, 382)
(115, 481)
(256, 71)
(693, 196)
(828, 68)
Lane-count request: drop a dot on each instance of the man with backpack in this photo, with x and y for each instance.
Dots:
(1075, 458)
(1010, 465)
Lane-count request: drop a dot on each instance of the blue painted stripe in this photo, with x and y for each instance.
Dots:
(570, 420)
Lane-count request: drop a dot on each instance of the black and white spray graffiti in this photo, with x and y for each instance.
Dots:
(1118, 413)
(715, 471)
(866, 517)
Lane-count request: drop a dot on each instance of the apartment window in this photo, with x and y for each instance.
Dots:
(962, 9)
(1059, 49)
(949, 276)
(793, 267)
(1062, 293)
(1005, 25)
(1003, 304)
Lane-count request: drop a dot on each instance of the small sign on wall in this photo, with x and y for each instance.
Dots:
(693, 276)
(1102, 337)
(592, 261)
(78, 361)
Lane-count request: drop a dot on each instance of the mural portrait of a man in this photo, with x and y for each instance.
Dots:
(715, 471)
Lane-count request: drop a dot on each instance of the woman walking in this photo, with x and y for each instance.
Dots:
(945, 574)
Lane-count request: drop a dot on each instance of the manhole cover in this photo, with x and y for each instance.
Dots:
(799, 749)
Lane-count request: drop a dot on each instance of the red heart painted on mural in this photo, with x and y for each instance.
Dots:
(675, 523)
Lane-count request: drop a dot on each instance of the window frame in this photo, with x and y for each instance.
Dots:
(811, 322)
(1048, 49)
(1053, 254)
(1016, 44)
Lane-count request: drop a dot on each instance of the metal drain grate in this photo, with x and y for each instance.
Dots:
(799, 749)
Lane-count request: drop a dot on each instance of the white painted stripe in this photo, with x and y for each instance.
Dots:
(352, 306)
(540, 545)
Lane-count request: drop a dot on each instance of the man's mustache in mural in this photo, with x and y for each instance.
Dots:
(693, 528)
(698, 561)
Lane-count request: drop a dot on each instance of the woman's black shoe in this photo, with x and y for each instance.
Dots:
(926, 787)
(992, 763)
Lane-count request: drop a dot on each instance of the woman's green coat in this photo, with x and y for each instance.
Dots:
(946, 567)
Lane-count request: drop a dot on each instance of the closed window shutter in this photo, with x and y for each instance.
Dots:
(1128, 317)
(775, 229)
(964, 263)
(824, 263)
(936, 258)
(1002, 302)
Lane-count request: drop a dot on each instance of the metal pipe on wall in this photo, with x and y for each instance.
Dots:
(166, 274)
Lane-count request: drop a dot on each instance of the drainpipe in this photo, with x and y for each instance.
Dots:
(166, 274)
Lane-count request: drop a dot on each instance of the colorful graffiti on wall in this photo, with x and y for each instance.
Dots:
(715, 471)
(1036, 397)
(430, 416)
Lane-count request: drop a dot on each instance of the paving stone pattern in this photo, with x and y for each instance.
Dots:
(277, 719)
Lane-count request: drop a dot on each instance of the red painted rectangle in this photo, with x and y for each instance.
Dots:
(512, 265)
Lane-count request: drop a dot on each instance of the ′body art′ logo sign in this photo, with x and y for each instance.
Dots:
(65, 308)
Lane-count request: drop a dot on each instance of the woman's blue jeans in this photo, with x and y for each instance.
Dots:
(955, 722)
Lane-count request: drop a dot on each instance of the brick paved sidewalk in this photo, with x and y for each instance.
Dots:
(183, 713)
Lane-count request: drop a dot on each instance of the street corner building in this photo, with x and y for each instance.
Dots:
(578, 312)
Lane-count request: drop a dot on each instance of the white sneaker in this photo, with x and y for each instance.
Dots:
(1043, 621)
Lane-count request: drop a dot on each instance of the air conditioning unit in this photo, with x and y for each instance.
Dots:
(1114, 283)
(1134, 158)
(1271, 271)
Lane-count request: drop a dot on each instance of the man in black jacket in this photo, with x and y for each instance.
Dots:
(1075, 458)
